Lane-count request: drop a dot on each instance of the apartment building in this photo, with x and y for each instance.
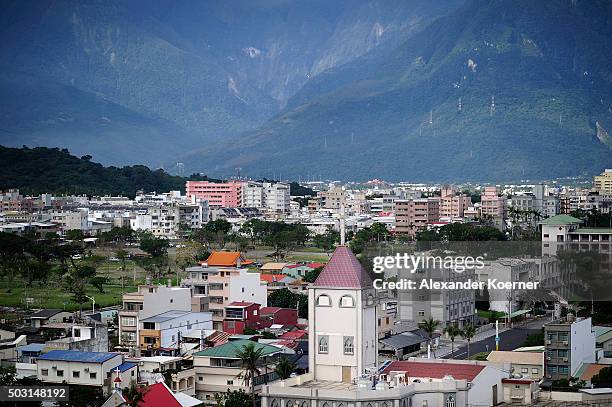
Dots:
(568, 345)
(69, 220)
(164, 330)
(510, 270)
(166, 220)
(414, 215)
(603, 183)
(539, 201)
(224, 280)
(452, 204)
(447, 306)
(253, 195)
(218, 194)
(494, 206)
(333, 198)
(150, 300)
(277, 197)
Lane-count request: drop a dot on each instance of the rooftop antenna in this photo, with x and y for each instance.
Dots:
(492, 105)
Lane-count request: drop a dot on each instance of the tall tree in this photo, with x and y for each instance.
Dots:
(430, 326)
(453, 332)
(250, 359)
(468, 332)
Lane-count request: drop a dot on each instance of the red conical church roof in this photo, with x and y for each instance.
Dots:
(343, 271)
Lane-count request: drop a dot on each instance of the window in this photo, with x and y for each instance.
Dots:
(60, 373)
(148, 325)
(45, 372)
(128, 321)
(323, 344)
(76, 374)
(323, 301)
(230, 382)
(93, 375)
(563, 370)
(422, 313)
(421, 297)
(535, 370)
(348, 345)
(346, 301)
(524, 370)
(77, 332)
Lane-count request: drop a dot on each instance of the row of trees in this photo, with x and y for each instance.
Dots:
(430, 326)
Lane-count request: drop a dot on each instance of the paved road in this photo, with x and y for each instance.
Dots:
(510, 340)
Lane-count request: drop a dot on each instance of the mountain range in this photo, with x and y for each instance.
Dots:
(350, 89)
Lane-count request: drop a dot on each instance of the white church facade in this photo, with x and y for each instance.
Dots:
(343, 356)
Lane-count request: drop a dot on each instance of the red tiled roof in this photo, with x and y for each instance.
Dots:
(271, 278)
(269, 310)
(293, 335)
(459, 371)
(226, 259)
(287, 344)
(158, 395)
(315, 265)
(343, 270)
(240, 304)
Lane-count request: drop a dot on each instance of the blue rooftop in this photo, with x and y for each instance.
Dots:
(32, 347)
(76, 356)
(125, 366)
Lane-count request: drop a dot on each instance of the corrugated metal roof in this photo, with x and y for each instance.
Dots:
(76, 356)
(125, 366)
(230, 349)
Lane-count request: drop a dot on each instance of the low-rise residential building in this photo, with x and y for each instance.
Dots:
(527, 365)
(150, 300)
(569, 344)
(45, 316)
(82, 368)
(219, 369)
(240, 315)
(164, 330)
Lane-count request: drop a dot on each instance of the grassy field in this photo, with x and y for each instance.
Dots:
(53, 293)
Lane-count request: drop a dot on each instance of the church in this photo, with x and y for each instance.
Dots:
(343, 355)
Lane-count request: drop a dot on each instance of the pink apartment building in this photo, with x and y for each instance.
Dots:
(218, 195)
(492, 204)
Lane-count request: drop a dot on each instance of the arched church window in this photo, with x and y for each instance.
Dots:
(346, 301)
(323, 344)
(323, 300)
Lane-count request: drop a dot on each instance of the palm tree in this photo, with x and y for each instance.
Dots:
(452, 331)
(468, 333)
(430, 326)
(250, 358)
(284, 368)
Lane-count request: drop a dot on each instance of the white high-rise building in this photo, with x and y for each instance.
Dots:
(342, 320)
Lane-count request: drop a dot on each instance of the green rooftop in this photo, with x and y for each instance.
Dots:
(594, 231)
(230, 349)
(561, 220)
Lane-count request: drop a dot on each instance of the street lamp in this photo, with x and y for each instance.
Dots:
(93, 301)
